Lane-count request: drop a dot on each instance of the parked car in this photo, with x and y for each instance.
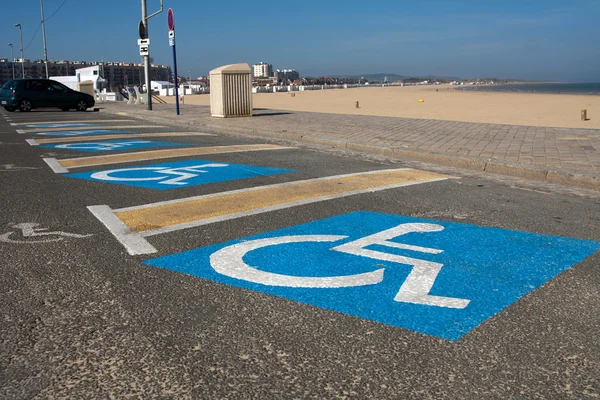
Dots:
(27, 94)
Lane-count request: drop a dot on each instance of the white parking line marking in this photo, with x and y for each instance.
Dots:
(73, 122)
(133, 242)
(83, 162)
(136, 223)
(55, 166)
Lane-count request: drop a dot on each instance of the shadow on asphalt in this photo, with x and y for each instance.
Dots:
(270, 114)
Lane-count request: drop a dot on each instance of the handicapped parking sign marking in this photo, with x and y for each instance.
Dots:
(79, 133)
(434, 277)
(110, 145)
(178, 174)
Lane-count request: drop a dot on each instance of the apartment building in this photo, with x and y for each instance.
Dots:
(262, 70)
(287, 76)
(116, 74)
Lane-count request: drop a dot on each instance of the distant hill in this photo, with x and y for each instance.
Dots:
(448, 78)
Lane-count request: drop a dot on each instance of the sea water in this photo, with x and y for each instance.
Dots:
(556, 88)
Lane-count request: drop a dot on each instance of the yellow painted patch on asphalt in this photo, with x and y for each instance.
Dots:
(70, 139)
(89, 121)
(152, 217)
(158, 154)
(86, 128)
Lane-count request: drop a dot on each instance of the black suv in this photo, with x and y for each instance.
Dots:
(27, 94)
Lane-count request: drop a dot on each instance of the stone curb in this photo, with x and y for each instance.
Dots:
(564, 177)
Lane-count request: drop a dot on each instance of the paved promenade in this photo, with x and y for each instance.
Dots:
(564, 156)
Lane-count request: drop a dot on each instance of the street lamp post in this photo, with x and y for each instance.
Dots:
(22, 57)
(44, 36)
(12, 60)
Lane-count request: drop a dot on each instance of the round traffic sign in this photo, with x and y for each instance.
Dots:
(142, 30)
(171, 19)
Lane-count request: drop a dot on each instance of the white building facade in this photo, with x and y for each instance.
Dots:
(262, 70)
(82, 75)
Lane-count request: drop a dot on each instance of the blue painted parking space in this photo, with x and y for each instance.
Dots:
(79, 133)
(69, 125)
(434, 277)
(178, 174)
(110, 145)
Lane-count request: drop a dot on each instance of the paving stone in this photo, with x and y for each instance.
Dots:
(537, 146)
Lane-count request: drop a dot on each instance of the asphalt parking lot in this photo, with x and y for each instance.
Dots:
(161, 262)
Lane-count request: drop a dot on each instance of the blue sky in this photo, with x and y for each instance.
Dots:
(526, 39)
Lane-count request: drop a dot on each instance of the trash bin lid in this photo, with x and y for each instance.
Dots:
(232, 69)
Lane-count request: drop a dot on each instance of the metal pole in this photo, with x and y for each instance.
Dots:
(145, 18)
(175, 77)
(22, 57)
(147, 59)
(12, 60)
(44, 36)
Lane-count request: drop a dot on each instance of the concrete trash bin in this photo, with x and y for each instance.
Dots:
(86, 87)
(231, 91)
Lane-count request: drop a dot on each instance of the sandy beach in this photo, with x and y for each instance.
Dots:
(447, 103)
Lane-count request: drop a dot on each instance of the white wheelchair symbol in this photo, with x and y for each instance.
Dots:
(229, 261)
(166, 175)
(30, 229)
(100, 146)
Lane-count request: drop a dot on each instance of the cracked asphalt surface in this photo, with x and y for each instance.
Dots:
(81, 318)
